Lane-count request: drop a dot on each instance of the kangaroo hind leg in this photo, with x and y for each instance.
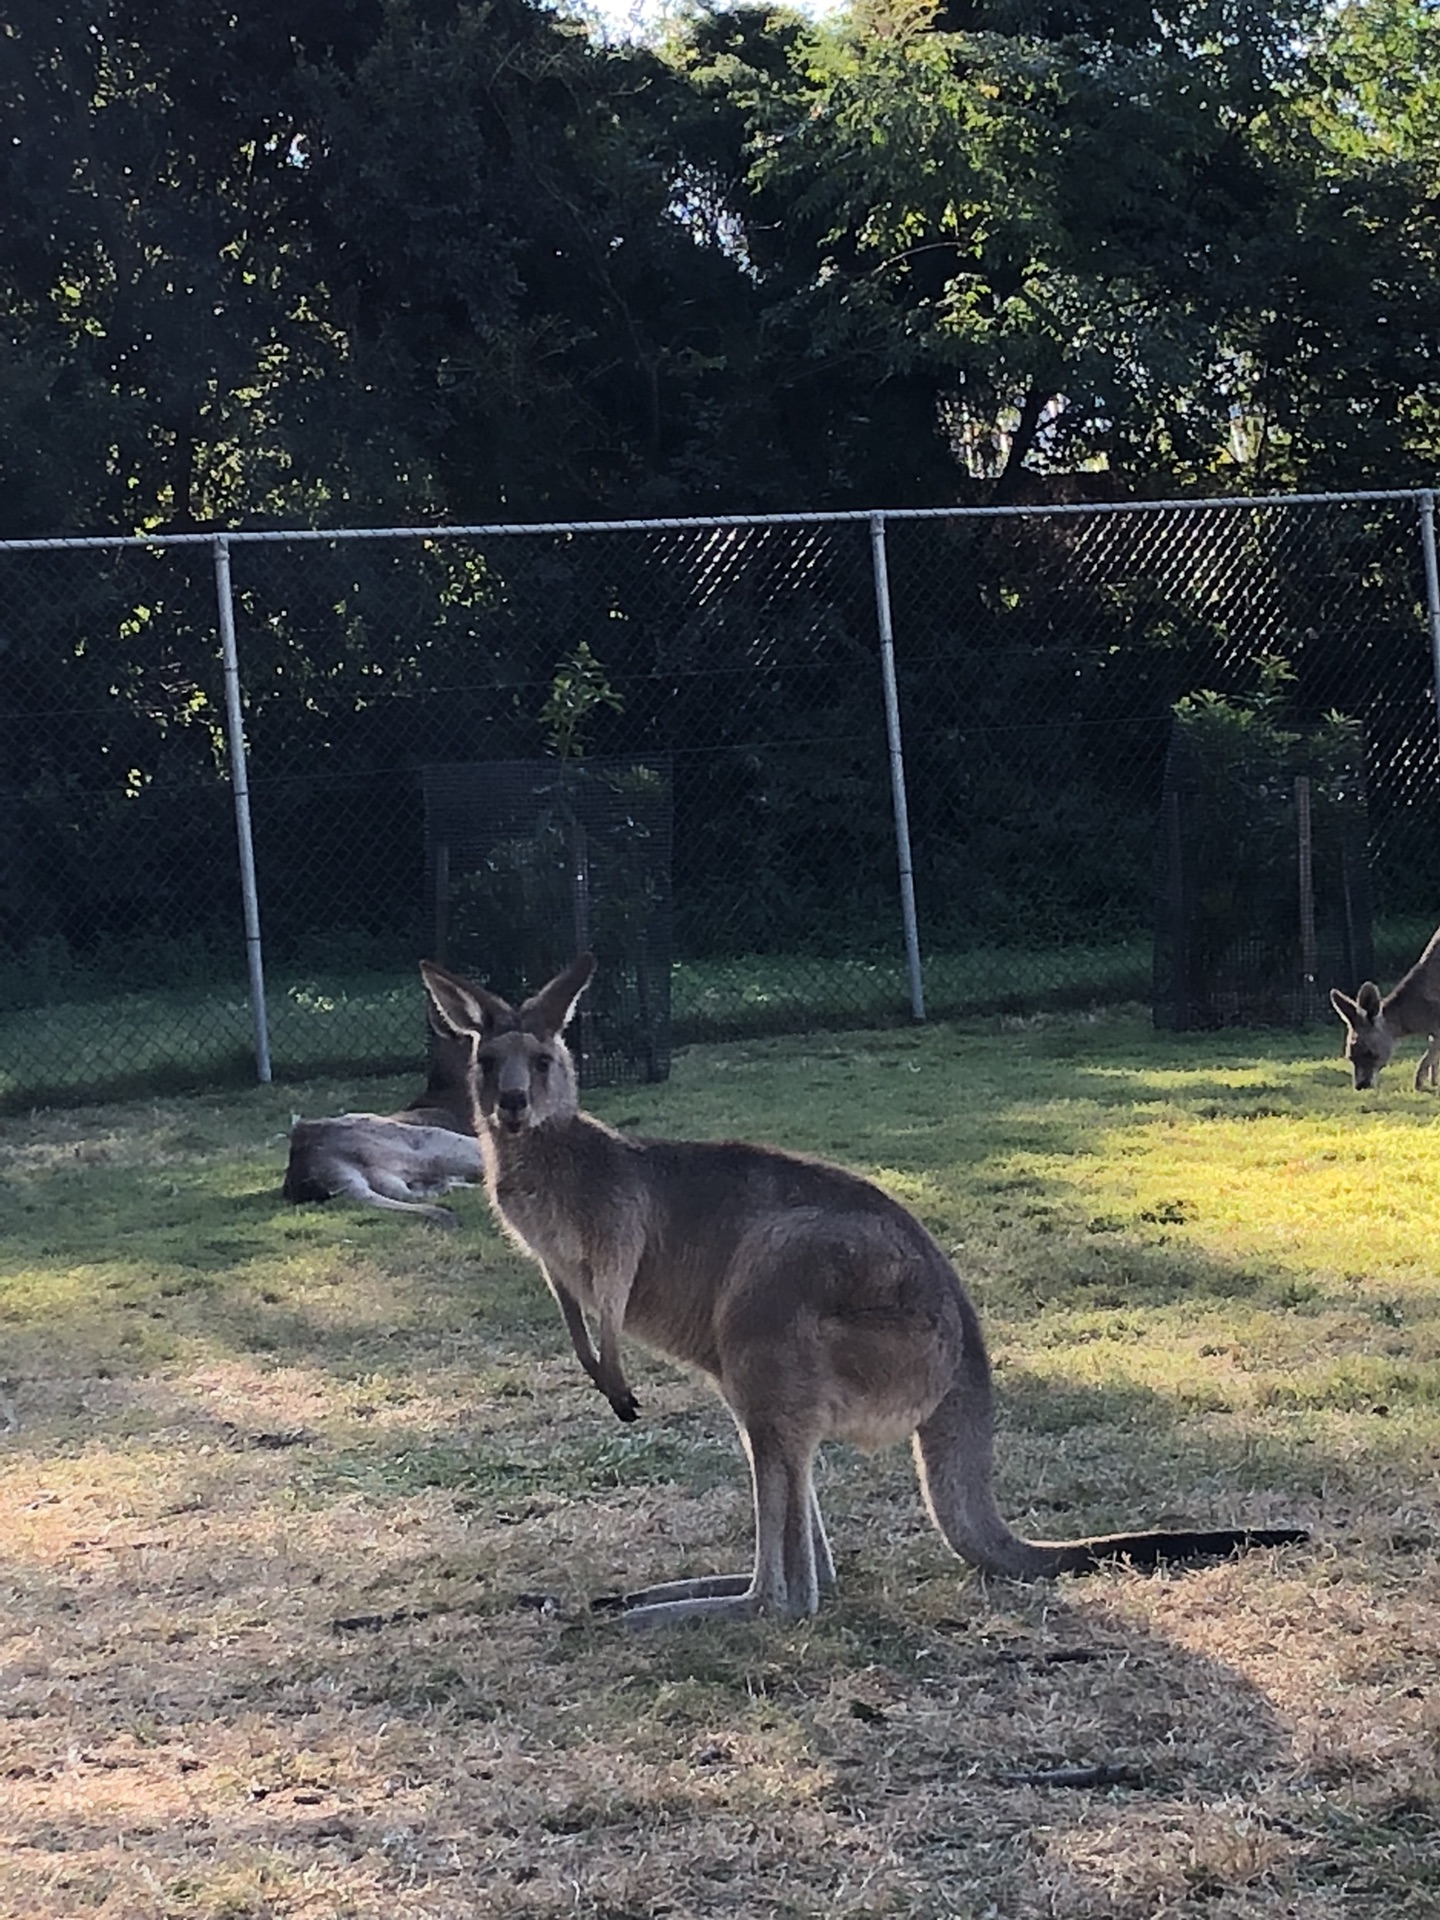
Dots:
(378, 1187)
(719, 1585)
(792, 1554)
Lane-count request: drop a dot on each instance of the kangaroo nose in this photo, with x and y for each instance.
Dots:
(512, 1100)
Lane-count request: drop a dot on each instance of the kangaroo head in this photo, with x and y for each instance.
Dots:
(1369, 1043)
(521, 1071)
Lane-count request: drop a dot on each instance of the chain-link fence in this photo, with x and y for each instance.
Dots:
(1010, 675)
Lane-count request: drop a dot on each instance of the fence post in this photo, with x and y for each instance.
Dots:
(1432, 588)
(1305, 865)
(897, 765)
(240, 786)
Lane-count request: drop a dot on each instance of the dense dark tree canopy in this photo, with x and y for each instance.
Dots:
(342, 261)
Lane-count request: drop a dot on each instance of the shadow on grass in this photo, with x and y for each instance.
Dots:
(186, 1250)
(464, 1335)
(765, 1763)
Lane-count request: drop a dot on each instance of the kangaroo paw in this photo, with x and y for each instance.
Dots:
(626, 1406)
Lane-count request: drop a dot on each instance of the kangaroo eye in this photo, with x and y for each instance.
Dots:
(542, 1064)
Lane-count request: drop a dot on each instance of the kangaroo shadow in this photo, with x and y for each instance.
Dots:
(1049, 1743)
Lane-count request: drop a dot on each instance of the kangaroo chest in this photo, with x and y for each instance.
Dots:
(532, 1218)
(545, 1208)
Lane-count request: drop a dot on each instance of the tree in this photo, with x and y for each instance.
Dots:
(509, 249)
(1338, 383)
(1047, 234)
(1006, 241)
(155, 262)
(383, 259)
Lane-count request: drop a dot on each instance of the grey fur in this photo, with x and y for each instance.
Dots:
(818, 1307)
(1373, 1025)
(401, 1162)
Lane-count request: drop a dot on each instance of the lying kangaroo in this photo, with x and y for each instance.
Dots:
(1374, 1025)
(399, 1161)
(816, 1304)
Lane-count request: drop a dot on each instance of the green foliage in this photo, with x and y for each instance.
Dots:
(1256, 746)
(401, 260)
(411, 259)
(580, 686)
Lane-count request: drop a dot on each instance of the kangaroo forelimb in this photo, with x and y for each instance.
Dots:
(611, 1377)
(605, 1371)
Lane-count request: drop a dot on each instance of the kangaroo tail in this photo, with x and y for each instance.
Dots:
(954, 1456)
(1154, 1549)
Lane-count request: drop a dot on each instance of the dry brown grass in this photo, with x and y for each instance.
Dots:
(300, 1513)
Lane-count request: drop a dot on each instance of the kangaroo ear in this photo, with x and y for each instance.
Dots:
(550, 1009)
(462, 1007)
(1368, 1000)
(1345, 1007)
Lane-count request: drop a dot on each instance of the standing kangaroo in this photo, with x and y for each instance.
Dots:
(817, 1305)
(1374, 1025)
(400, 1161)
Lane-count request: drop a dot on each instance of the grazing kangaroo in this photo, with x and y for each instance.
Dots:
(1373, 1024)
(398, 1161)
(816, 1304)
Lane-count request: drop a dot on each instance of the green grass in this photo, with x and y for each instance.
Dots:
(113, 1046)
(302, 1509)
(96, 1044)
(101, 1045)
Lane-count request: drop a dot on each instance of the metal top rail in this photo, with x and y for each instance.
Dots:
(695, 522)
